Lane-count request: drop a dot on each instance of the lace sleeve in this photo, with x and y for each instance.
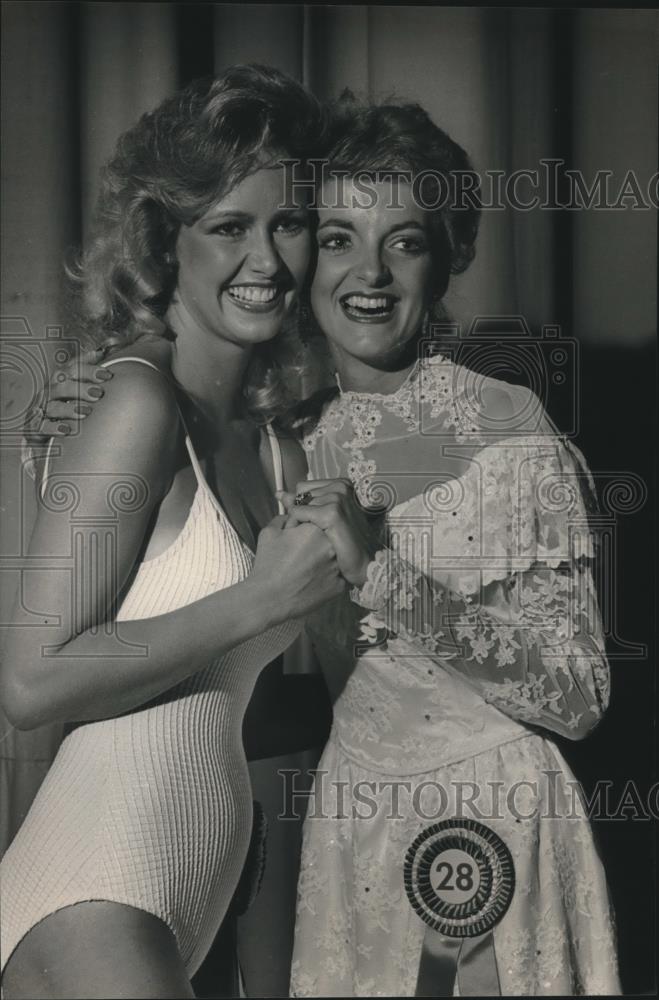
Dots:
(530, 638)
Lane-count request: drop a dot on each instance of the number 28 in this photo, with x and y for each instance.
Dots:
(464, 876)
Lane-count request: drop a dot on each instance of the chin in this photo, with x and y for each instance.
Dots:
(246, 327)
(374, 347)
(260, 334)
(251, 329)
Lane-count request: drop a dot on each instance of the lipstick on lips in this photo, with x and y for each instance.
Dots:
(372, 308)
(256, 297)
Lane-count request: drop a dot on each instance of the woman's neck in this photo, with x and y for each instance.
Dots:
(384, 377)
(209, 368)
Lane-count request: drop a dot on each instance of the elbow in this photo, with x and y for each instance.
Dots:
(577, 735)
(586, 724)
(21, 707)
(23, 723)
(29, 694)
(19, 717)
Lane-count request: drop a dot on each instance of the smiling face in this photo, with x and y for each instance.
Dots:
(374, 278)
(241, 265)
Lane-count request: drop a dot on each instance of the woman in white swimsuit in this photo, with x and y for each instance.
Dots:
(170, 584)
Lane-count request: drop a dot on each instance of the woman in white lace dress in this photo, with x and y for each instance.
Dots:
(472, 633)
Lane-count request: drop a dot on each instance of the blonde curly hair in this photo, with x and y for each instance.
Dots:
(168, 170)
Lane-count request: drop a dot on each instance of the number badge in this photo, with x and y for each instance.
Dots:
(459, 877)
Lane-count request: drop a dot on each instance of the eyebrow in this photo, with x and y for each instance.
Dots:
(228, 213)
(237, 213)
(346, 224)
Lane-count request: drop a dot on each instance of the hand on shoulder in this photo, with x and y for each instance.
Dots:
(132, 431)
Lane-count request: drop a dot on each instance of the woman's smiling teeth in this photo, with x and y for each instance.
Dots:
(254, 294)
(368, 306)
(259, 298)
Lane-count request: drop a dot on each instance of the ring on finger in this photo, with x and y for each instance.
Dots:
(302, 499)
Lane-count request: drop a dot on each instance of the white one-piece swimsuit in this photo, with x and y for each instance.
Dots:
(154, 808)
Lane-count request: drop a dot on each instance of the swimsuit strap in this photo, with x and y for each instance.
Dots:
(277, 463)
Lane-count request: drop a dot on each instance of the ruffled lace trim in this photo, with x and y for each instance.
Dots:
(390, 581)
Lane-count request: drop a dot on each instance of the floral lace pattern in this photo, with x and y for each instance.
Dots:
(480, 620)
(547, 667)
(430, 385)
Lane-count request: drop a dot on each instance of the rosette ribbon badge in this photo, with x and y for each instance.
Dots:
(459, 878)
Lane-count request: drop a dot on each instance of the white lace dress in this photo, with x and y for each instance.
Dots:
(478, 633)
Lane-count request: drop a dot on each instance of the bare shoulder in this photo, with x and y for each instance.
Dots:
(133, 429)
(137, 394)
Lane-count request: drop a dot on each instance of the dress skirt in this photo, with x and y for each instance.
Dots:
(356, 932)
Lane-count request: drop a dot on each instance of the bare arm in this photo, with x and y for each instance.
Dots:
(103, 490)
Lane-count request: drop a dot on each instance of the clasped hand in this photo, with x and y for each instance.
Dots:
(333, 508)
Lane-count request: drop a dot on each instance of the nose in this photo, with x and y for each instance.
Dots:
(372, 269)
(263, 255)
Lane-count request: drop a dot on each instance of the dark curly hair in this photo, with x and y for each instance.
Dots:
(370, 138)
(168, 170)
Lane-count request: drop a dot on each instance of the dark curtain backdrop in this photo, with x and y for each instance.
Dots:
(512, 86)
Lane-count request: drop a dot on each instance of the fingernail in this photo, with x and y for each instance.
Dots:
(104, 374)
(95, 392)
(83, 408)
(64, 428)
